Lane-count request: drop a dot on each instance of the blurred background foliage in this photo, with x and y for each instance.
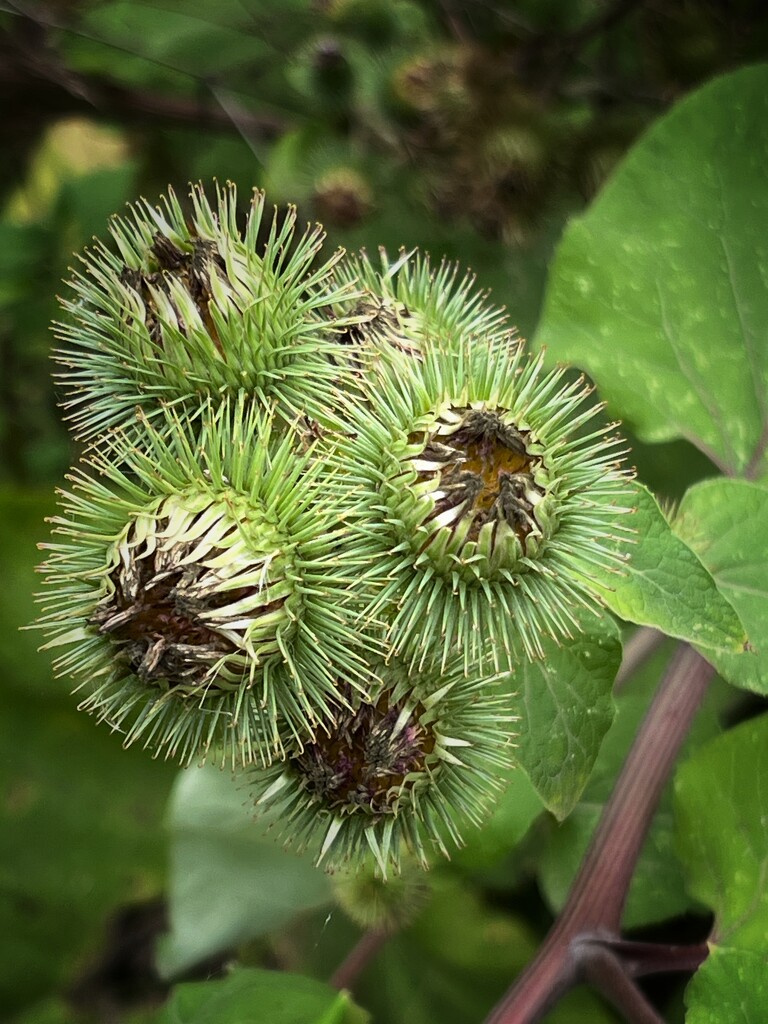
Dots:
(472, 129)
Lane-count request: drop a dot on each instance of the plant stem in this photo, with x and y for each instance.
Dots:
(596, 900)
(755, 463)
(359, 957)
(606, 973)
(641, 958)
(644, 642)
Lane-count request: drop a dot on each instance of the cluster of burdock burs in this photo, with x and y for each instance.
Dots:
(325, 508)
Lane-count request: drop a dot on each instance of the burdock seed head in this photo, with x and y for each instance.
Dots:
(194, 586)
(491, 500)
(176, 309)
(385, 904)
(410, 304)
(404, 769)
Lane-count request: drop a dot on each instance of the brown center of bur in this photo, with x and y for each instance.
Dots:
(364, 763)
(155, 615)
(158, 627)
(488, 459)
(191, 269)
(158, 636)
(484, 471)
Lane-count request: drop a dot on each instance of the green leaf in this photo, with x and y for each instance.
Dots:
(565, 707)
(666, 586)
(731, 985)
(516, 809)
(726, 524)
(252, 996)
(659, 291)
(722, 832)
(229, 881)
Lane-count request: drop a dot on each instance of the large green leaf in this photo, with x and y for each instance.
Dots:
(565, 706)
(659, 291)
(256, 997)
(726, 524)
(665, 585)
(731, 985)
(516, 809)
(721, 811)
(722, 832)
(229, 881)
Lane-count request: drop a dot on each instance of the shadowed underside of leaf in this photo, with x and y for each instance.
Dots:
(229, 882)
(566, 707)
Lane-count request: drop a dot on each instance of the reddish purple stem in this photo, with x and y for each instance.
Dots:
(596, 901)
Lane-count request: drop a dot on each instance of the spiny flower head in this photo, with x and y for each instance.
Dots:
(491, 500)
(382, 903)
(404, 768)
(410, 304)
(178, 310)
(196, 589)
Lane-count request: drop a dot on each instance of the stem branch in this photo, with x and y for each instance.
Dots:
(644, 642)
(640, 958)
(596, 901)
(359, 957)
(606, 973)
